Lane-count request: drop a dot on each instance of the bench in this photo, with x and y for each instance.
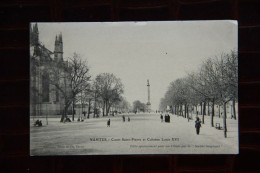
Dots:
(218, 126)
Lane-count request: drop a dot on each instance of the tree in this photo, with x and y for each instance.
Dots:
(227, 81)
(109, 89)
(70, 79)
(85, 98)
(209, 77)
(95, 88)
(216, 82)
(139, 106)
(163, 104)
(232, 76)
(122, 105)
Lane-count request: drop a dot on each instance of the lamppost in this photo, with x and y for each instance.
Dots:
(47, 111)
(231, 111)
(39, 90)
(41, 69)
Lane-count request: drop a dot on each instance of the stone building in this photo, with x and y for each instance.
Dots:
(45, 98)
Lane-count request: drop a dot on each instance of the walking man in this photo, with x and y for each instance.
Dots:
(197, 125)
(108, 123)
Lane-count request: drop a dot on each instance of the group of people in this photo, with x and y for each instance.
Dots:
(38, 123)
(197, 122)
(80, 119)
(124, 118)
(128, 119)
(167, 118)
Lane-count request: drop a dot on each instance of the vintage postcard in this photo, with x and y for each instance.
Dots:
(117, 88)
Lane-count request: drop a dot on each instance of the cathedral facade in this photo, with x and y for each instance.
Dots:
(45, 98)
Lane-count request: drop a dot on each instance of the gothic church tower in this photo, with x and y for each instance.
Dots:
(34, 35)
(58, 49)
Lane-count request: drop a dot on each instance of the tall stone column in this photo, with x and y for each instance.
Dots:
(148, 102)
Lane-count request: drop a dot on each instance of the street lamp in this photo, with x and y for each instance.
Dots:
(46, 115)
(41, 69)
(231, 111)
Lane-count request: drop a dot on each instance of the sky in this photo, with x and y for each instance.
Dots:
(137, 51)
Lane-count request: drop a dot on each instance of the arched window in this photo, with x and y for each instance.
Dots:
(45, 88)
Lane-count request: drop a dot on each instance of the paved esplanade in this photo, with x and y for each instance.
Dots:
(145, 133)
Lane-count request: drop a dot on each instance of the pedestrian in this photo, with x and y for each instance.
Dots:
(108, 123)
(161, 118)
(123, 118)
(197, 125)
(128, 119)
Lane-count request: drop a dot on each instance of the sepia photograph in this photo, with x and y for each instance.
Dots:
(122, 88)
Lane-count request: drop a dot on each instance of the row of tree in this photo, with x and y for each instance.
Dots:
(74, 82)
(104, 92)
(215, 83)
(138, 106)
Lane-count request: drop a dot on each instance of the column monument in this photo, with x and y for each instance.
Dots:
(148, 102)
